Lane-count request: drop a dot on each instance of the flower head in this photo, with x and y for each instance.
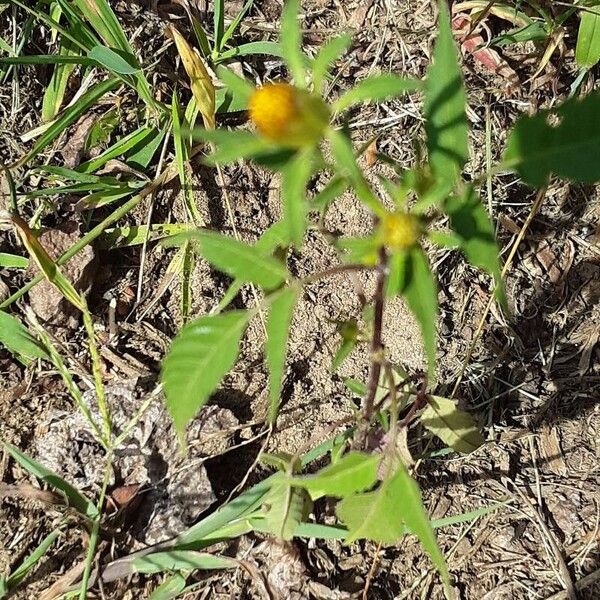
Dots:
(287, 115)
(400, 230)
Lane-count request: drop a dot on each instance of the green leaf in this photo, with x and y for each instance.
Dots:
(169, 589)
(347, 167)
(238, 85)
(69, 116)
(102, 18)
(567, 148)
(180, 560)
(454, 427)
(251, 49)
(102, 129)
(132, 142)
(75, 498)
(587, 51)
(354, 472)
(18, 340)
(410, 506)
(327, 55)
(32, 560)
(232, 145)
(374, 515)
(238, 259)
(375, 89)
(445, 102)
(420, 291)
(55, 91)
(200, 356)
(295, 177)
(475, 232)
(291, 42)
(235, 23)
(141, 155)
(278, 324)
(381, 515)
(396, 279)
(274, 237)
(284, 507)
(218, 22)
(116, 61)
(122, 237)
(12, 260)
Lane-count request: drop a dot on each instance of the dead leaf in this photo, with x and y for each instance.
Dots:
(551, 451)
(474, 44)
(371, 154)
(75, 145)
(358, 17)
(200, 80)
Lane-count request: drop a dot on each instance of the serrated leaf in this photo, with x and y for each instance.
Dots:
(568, 148)
(374, 515)
(291, 42)
(587, 50)
(285, 507)
(445, 102)
(75, 498)
(472, 226)
(420, 290)
(377, 88)
(278, 324)
(200, 356)
(295, 177)
(410, 506)
(326, 56)
(347, 167)
(273, 237)
(232, 145)
(238, 259)
(454, 427)
(115, 61)
(381, 516)
(396, 279)
(16, 337)
(200, 81)
(354, 472)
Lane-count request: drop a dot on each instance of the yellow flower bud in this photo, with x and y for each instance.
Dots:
(399, 230)
(287, 115)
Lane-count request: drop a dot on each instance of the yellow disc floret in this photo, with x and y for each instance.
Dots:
(287, 115)
(399, 230)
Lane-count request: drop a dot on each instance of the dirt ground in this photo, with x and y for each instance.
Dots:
(533, 379)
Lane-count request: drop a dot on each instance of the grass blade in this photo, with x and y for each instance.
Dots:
(68, 117)
(75, 498)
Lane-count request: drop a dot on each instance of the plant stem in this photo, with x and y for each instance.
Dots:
(89, 559)
(376, 353)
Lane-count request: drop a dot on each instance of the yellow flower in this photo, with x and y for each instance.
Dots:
(399, 230)
(287, 115)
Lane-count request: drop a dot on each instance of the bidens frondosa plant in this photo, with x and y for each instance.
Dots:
(295, 133)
